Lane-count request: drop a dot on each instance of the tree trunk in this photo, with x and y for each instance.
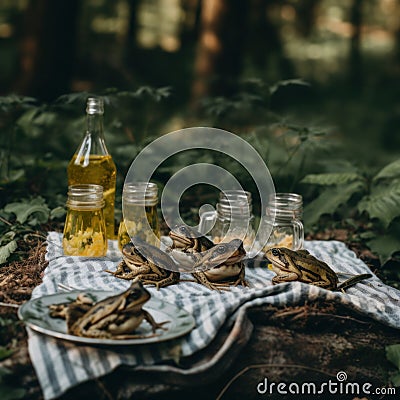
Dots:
(47, 48)
(355, 67)
(306, 11)
(265, 42)
(218, 61)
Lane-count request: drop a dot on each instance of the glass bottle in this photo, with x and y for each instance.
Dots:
(139, 202)
(84, 229)
(234, 218)
(92, 163)
(283, 219)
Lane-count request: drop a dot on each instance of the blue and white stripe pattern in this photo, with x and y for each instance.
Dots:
(61, 365)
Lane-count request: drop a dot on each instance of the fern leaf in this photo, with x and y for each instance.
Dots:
(383, 203)
(333, 178)
(384, 246)
(390, 171)
(329, 201)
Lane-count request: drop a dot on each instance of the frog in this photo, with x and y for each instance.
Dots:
(115, 317)
(290, 265)
(189, 240)
(221, 266)
(147, 262)
(187, 245)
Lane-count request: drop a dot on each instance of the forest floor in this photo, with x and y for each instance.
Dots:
(18, 279)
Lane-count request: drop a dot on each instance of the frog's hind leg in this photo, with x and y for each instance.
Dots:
(154, 325)
(154, 279)
(202, 279)
(241, 279)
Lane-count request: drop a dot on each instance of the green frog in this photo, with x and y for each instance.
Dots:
(221, 266)
(115, 317)
(147, 262)
(300, 265)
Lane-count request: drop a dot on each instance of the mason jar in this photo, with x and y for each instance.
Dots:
(85, 230)
(289, 201)
(234, 218)
(283, 219)
(139, 201)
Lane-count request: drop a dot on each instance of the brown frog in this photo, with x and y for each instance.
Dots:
(189, 240)
(221, 266)
(115, 317)
(300, 265)
(148, 263)
(187, 244)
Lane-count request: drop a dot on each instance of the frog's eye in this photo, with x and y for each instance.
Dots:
(221, 249)
(136, 293)
(275, 252)
(182, 229)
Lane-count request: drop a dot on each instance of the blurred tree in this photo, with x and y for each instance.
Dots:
(191, 23)
(47, 48)
(218, 61)
(306, 16)
(264, 38)
(397, 36)
(131, 43)
(355, 67)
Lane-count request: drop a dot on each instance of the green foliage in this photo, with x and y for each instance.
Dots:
(302, 156)
(393, 355)
(7, 250)
(35, 210)
(377, 195)
(383, 202)
(330, 179)
(22, 218)
(8, 392)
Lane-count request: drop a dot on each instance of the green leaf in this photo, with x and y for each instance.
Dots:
(383, 203)
(332, 178)
(395, 379)
(391, 171)
(7, 250)
(8, 392)
(5, 353)
(58, 212)
(384, 246)
(24, 210)
(278, 85)
(393, 354)
(329, 201)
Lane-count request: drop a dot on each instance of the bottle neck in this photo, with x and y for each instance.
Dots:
(94, 136)
(94, 125)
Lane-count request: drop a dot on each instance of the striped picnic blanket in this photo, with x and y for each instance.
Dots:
(61, 365)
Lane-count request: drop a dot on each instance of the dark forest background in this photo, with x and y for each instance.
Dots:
(348, 50)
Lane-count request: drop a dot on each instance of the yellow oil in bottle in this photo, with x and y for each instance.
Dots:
(101, 170)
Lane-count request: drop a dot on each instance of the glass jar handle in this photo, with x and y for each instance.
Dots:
(298, 234)
(207, 221)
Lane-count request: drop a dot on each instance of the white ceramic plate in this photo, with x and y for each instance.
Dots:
(35, 314)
